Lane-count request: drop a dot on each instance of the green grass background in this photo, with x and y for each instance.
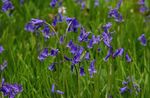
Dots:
(22, 49)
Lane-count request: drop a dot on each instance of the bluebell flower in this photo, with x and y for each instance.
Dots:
(119, 4)
(70, 44)
(76, 58)
(66, 58)
(143, 9)
(141, 2)
(1, 49)
(53, 52)
(96, 3)
(90, 43)
(107, 27)
(46, 31)
(52, 67)
(83, 35)
(118, 52)
(73, 24)
(54, 21)
(128, 59)
(87, 56)
(7, 5)
(123, 89)
(110, 51)
(107, 39)
(143, 40)
(116, 15)
(92, 69)
(43, 54)
(10, 90)
(34, 24)
(53, 88)
(59, 92)
(53, 3)
(3, 66)
(61, 40)
(82, 73)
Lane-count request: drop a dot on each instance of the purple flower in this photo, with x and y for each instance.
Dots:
(83, 35)
(82, 73)
(96, 3)
(92, 69)
(107, 39)
(115, 14)
(59, 92)
(107, 27)
(118, 52)
(34, 24)
(7, 5)
(66, 58)
(76, 58)
(46, 31)
(53, 88)
(90, 44)
(119, 4)
(141, 2)
(53, 3)
(43, 54)
(61, 39)
(52, 67)
(70, 44)
(143, 9)
(3, 66)
(123, 89)
(142, 39)
(10, 90)
(87, 56)
(128, 59)
(54, 21)
(1, 49)
(110, 51)
(53, 52)
(73, 24)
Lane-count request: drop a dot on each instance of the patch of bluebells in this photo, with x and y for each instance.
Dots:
(10, 90)
(129, 86)
(114, 13)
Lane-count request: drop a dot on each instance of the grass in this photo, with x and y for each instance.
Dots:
(22, 49)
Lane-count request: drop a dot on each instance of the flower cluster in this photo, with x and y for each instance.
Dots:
(10, 90)
(130, 86)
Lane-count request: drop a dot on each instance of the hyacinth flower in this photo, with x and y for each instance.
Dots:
(34, 24)
(7, 5)
(10, 90)
(53, 3)
(43, 54)
(92, 69)
(82, 73)
(118, 52)
(83, 35)
(57, 91)
(3, 66)
(73, 24)
(143, 40)
(1, 49)
(128, 59)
